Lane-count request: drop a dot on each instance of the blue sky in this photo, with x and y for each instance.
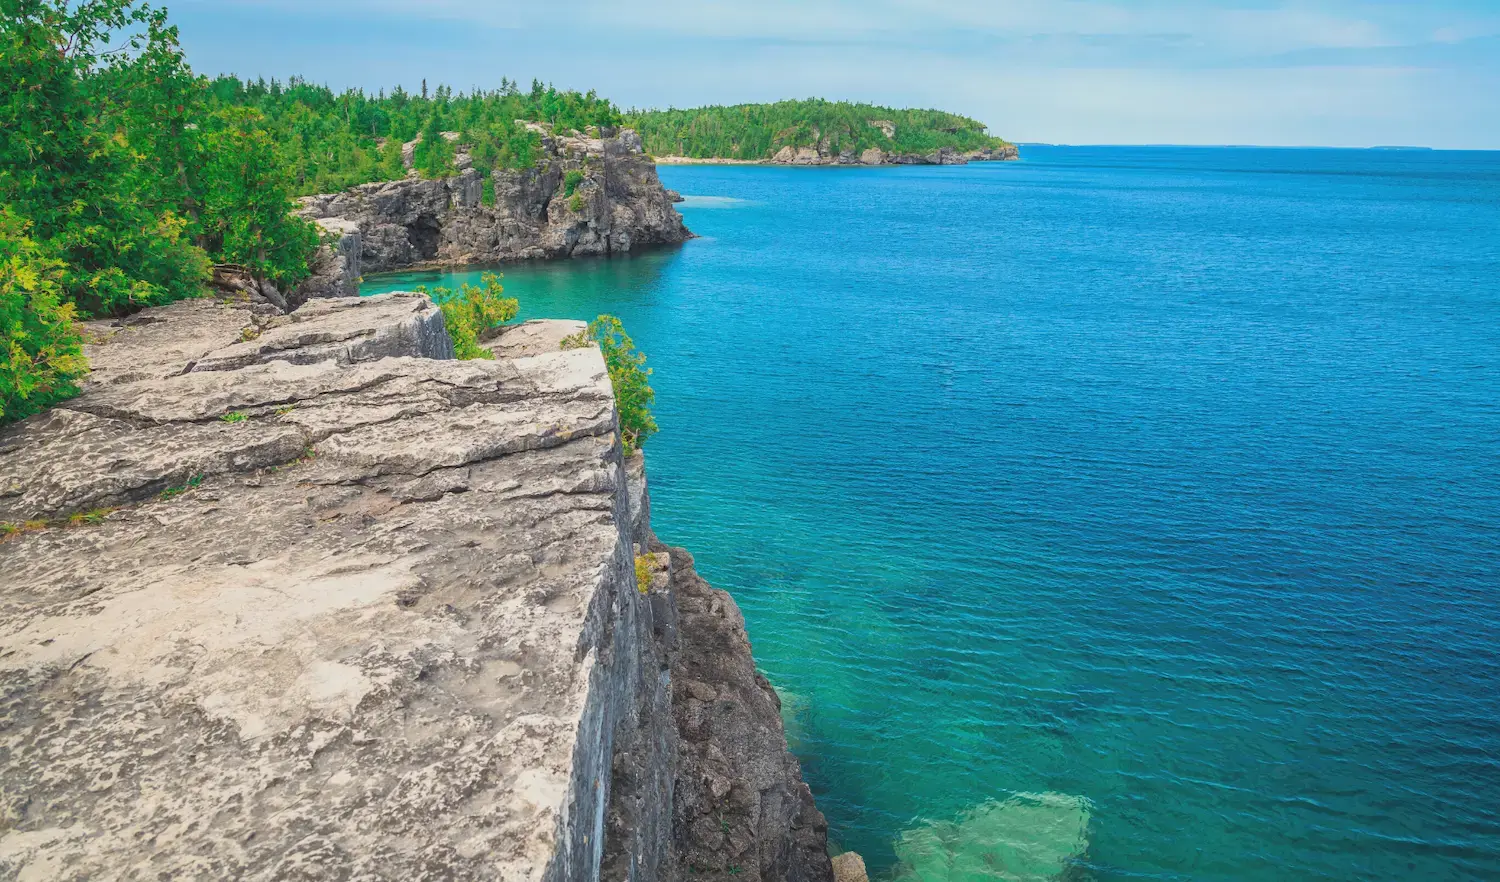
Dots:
(1320, 72)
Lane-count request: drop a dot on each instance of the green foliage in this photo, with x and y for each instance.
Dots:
(433, 155)
(643, 573)
(174, 492)
(235, 416)
(629, 376)
(247, 211)
(758, 131)
(93, 516)
(571, 179)
(334, 141)
(577, 203)
(112, 154)
(99, 151)
(473, 312)
(41, 348)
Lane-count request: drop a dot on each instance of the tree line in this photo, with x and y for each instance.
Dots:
(125, 177)
(758, 131)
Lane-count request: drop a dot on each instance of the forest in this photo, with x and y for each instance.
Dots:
(125, 177)
(757, 131)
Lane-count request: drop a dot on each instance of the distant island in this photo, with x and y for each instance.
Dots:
(817, 132)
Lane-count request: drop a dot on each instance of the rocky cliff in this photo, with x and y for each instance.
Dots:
(585, 196)
(301, 597)
(824, 155)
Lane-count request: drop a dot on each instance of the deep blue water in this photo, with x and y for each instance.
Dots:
(1160, 487)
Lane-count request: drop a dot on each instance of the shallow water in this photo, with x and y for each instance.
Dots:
(1139, 501)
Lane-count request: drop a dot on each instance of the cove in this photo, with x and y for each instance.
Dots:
(1119, 513)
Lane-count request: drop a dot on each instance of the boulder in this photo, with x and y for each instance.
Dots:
(849, 867)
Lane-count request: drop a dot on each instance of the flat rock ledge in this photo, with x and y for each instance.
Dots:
(314, 601)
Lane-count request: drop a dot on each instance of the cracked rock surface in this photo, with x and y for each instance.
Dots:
(315, 601)
(365, 632)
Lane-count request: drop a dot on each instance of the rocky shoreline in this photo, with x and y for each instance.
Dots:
(301, 596)
(872, 157)
(591, 194)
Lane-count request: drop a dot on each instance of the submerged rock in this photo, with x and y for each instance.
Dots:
(1030, 837)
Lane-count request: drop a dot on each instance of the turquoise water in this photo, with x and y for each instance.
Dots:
(1117, 514)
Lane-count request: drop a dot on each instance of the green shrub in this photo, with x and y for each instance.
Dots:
(472, 312)
(643, 573)
(41, 346)
(628, 375)
(571, 180)
(247, 214)
(576, 203)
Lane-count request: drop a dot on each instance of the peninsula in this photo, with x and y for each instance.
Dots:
(817, 132)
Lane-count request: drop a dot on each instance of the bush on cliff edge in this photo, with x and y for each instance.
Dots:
(628, 375)
(473, 312)
(41, 347)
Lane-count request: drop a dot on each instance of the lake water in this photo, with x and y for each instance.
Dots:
(1116, 514)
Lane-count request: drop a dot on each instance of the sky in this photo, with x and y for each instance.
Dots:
(1319, 72)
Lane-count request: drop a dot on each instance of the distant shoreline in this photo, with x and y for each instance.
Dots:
(689, 160)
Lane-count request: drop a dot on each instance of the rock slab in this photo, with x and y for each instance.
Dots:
(312, 603)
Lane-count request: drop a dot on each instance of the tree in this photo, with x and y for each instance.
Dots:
(247, 216)
(41, 349)
(97, 148)
(434, 154)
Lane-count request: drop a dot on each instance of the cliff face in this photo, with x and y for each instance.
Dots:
(611, 203)
(823, 155)
(314, 601)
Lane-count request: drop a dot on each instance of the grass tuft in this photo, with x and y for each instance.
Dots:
(174, 492)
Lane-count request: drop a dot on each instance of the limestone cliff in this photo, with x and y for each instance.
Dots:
(301, 597)
(823, 155)
(585, 196)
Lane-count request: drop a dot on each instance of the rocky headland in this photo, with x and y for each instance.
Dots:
(871, 156)
(300, 596)
(589, 194)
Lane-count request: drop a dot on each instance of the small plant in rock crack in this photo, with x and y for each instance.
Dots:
(174, 492)
(643, 573)
(283, 411)
(735, 869)
(91, 517)
(237, 416)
